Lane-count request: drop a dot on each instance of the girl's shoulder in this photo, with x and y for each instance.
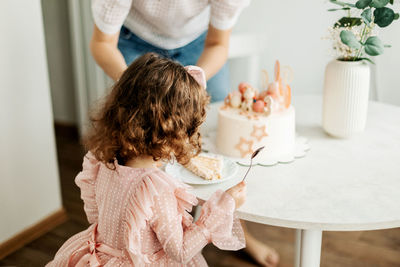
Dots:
(153, 175)
(157, 181)
(90, 168)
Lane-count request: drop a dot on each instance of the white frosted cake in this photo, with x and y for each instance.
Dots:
(249, 120)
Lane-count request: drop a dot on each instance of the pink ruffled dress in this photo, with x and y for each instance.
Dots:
(139, 217)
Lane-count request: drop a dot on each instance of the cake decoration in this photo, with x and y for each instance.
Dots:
(275, 96)
(279, 89)
(250, 116)
(249, 97)
(259, 106)
(259, 132)
(233, 100)
(244, 146)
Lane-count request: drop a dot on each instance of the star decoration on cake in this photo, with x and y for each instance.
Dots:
(245, 147)
(259, 132)
(224, 107)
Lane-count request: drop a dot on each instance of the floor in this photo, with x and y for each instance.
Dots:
(342, 249)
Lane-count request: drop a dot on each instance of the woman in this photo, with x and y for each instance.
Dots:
(193, 32)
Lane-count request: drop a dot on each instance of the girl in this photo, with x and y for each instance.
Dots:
(138, 214)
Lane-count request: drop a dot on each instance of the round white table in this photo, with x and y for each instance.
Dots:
(340, 185)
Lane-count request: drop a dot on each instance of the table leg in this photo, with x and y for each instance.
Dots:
(196, 212)
(297, 247)
(310, 250)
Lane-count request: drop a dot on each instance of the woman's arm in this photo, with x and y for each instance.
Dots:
(104, 48)
(215, 51)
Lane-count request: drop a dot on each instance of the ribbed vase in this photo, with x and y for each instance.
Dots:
(345, 103)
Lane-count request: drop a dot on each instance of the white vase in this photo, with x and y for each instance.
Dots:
(345, 102)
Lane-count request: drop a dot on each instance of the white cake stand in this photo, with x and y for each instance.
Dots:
(300, 151)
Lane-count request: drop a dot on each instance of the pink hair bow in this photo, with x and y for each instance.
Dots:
(198, 74)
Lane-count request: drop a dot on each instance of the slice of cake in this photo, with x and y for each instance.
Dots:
(208, 167)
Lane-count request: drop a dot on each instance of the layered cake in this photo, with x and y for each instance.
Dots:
(208, 167)
(251, 118)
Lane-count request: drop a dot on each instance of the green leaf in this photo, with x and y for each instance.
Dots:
(367, 59)
(396, 16)
(349, 39)
(384, 16)
(378, 3)
(366, 16)
(336, 9)
(340, 3)
(361, 4)
(348, 22)
(391, 2)
(373, 46)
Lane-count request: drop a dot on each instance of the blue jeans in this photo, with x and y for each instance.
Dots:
(131, 47)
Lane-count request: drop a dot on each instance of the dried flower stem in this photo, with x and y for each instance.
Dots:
(362, 41)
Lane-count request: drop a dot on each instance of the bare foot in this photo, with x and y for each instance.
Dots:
(261, 253)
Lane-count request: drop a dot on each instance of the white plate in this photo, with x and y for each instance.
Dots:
(229, 171)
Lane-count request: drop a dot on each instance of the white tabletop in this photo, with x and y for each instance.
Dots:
(341, 184)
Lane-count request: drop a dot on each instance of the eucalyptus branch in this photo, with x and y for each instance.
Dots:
(356, 39)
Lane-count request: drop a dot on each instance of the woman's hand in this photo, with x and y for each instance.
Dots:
(238, 193)
(215, 51)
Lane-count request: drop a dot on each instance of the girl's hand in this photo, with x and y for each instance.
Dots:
(238, 193)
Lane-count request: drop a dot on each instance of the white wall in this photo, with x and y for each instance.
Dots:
(58, 44)
(388, 65)
(29, 183)
(294, 30)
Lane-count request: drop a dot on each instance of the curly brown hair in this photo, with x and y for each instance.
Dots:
(154, 109)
